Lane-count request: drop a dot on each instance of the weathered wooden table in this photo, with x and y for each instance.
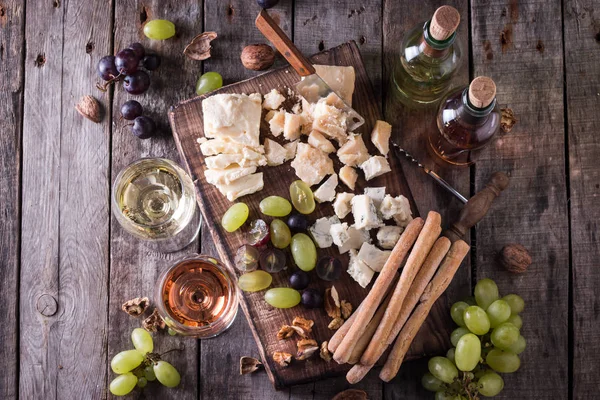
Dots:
(66, 265)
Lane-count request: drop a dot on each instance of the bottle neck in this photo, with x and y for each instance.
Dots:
(471, 114)
(433, 47)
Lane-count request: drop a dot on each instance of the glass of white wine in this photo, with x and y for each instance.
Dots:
(154, 200)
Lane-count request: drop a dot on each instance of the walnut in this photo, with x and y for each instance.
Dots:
(199, 47)
(351, 394)
(515, 258)
(507, 120)
(288, 331)
(249, 365)
(335, 324)
(305, 324)
(258, 57)
(306, 348)
(324, 352)
(282, 358)
(332, 303)
(153, 322)
(90, 108)
(136, 307)
(346, 308)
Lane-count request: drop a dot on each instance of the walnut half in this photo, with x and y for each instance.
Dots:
(305, 324)
(324, 352)
(288, 331)
(136, 307)
(153, 322)
(346, 309)
(332, 303)
(306, 348)
(282, 358)
(336, 324)
(249, 365)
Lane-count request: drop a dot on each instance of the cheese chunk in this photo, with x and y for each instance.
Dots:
(311, 165)
(276, 122)
(233, 117)
(388, 236)
(276, 154)
(374, 167)
(222, 161)
(376, 194)
(228, 175)
(348, 175)
(353, 152)
(365, 213)
(291, 126)
(330, 121)
(320, 231)
(356, 238)
(359, 271)
(216, 146)
(339, 233)
(340, 79)
(326, 192)
(290, 149)
(397, 208)
(380, 136)
(243, 186)
(307, 118)
(341, 205)
(373, 257)
(318, 141)
(273, 100)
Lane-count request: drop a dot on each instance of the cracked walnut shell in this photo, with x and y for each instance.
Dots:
(248, 365)
(282, 358)
(306, 348)
(136, 307)
(153, 322)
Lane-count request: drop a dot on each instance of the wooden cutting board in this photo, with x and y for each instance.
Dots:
(187, 123)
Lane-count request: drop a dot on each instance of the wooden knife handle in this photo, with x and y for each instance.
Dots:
(477, 207)
(286, 47)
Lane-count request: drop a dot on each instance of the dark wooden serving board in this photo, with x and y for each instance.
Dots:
(187, 123)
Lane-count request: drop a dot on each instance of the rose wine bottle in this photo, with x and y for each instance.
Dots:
(429, 58)
(467, 119)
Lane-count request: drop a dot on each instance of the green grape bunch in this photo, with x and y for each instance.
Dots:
(139, 366)
(487, 343)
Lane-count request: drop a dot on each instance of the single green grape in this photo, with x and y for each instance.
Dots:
(441, 395)
(282, 297)
(126, 360)
(498, 312)
(516, 303)
(468, 352)
(208, 82)
(519, 346)
(166, 374)
(477, 320)
(457, 334)
(516, 320)
(142, 382)
(235, 217)
(443, 369)
(304, 252)
(123, 384)
(432, 383)
(142, 340)
(255, 281)
(149, 373)
(457, 311)
(490, 384)
(302, 197)
(159, 29)
(451, 354)
(503, 361)
(486, 292)
(280, 234)
(275, 206)
(171, 331)
(505, 335)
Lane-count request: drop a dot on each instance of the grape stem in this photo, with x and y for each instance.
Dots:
(182, 348)
(104, 87)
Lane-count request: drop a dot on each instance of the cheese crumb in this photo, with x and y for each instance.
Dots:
(374, 167)
(348, 175)
(273, 100)
(353, 152)
(380, 136)
(311, 165)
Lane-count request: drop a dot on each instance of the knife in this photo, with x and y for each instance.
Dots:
(311, 86)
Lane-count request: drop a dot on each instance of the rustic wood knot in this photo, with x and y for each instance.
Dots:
(47, 305)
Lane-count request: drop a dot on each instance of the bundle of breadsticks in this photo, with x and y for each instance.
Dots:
(397, 307)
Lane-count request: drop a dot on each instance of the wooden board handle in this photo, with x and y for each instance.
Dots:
(477, 207)
(286, 47)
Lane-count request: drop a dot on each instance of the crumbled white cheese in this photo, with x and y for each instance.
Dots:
(320, 231)
(275, 153)
(353, 152)
(365, 213)
(388, 236)
(380, 136)
(290, 149)
(330, 121)
(373, 257)
(339, 79)
(228, 175)
(311, 165)
(341, 205)
(376, 194)
(339, 233)
(276, 122)
(273, 100)
(374, 167)
(348, 175)
(318, 141)
(397, 208)
(357, 238)
(222, 161)
(233, 117)
(216, 146)
(291, 126)
(241, 187)
(326, 192)
(358, 270)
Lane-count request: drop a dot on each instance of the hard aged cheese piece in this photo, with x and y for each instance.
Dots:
(228, 175)
(374, 167)
(365, 213)
(353, 152)
(358, 270)
(273, 100)
(398, 208)
(241, 187)
(357, 238)
(330, 121)
(339, 233)
(320, 231)
(341, 205)
(318, 141)
(380, 136)
(216, 146)
(311, 165)
(276, 122)
(373, 257)
(376, 194)
(326, 192)
(348, 175)
(388, 236)
(234, 117)
(340, 79)
(291, 126)
(222, 161)
(290, 149)
(276, 154)
(307, 111)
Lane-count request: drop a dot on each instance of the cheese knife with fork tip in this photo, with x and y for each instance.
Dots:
(311, 86)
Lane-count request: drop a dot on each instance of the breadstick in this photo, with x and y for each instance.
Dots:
(375, 296)
(430, 265)
(434, 290)
(431, 231)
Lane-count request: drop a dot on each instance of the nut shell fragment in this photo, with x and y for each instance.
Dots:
(199, 47)
(282, 358)
(507, 119)
(90, 108)
(249, 365)
(306, 348)
(351, 394)
(136, 307)
(154, 322)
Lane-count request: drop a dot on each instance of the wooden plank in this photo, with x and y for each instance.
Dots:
(135, 269)
(581, 38)
(12, 28)
(65, 205)
(234, 23)
(520, 46)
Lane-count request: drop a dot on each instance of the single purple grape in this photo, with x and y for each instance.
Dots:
(107, 69)
(311, 298)
(144, 127)
(137, 83)
(299, 280)
(131, 109)
(126, 61)
(151, 62)
(138, 49)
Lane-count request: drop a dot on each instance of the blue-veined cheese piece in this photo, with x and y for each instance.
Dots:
(388, 236)
(356, 238)
(320, 231)
(365, 213)
(341, 205)
(374, 167)
(397, 208)
(377, 194)
(358, 270)
(326, 192)
(373, 257)
(339, 233)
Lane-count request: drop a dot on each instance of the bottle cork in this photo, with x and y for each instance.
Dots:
(444, 22)
(482, 91)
